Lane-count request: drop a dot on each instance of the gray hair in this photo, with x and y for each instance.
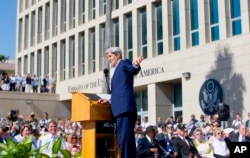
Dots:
(114, 50)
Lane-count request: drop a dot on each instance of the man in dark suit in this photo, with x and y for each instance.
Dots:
(248, 121)
(148, 145)
(182, 147)
(122, 99)
(240, 136)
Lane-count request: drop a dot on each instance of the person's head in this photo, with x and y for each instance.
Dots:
(238, 116)
(202, 117)
(170, 128)
(198, 134)
(216, 117)
(248, 114)
(114, 54)
(163, 127)
(218, 133)
(25, 130)
(192, 117)
(52, 127)
(45, 115)
(151, 131)
(179, 119)
(72, 138)
(180, 130)
(138, 130)
(242, 130)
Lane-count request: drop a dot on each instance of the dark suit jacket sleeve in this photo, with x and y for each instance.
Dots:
(143, 149)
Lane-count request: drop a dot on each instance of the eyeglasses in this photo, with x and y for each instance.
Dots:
(219, 133)
(170, 127)
(74, 138)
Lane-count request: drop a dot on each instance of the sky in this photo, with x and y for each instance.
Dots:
(8, 10)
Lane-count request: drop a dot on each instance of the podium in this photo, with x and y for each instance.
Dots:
(86, 110)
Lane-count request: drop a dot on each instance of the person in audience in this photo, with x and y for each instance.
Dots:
(237, 122)
(51, 138)
(218, 144)
(240, 136)
(148, 145)
(202, 145)
(182, 146)
(73, 144)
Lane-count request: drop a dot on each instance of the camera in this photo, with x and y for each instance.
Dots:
(75, 146)
(5, 129)
(12, 113)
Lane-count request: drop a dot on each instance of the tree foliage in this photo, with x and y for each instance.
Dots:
(3, 58)
(24, 150)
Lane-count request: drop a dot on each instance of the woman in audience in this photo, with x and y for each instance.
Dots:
(219, 145)
(202, 145)
(73, 144)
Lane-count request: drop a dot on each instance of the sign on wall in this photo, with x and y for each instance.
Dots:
(210, 96)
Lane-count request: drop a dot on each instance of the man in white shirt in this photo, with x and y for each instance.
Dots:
(51, 138)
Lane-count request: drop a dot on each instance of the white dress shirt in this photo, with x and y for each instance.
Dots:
(49, 138)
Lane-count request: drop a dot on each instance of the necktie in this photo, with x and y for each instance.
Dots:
(186, 141)
(242, 139)
(53, 139)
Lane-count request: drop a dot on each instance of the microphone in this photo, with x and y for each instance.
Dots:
(106, 73)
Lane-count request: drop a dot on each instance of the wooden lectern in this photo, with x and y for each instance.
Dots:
(86, 110)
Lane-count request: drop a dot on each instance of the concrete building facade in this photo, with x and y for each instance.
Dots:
(184, 42)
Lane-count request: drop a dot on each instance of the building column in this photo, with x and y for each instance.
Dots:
(159, 101)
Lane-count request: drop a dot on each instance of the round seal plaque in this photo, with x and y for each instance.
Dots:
(210, 96)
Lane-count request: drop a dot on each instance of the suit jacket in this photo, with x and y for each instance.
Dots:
(122, 90)
(182, 148)
(143, 148)
(235, 137)
(247, 123)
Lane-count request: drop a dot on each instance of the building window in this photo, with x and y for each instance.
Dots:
(194, 24)
(159, 30)
(63, 16)
(81, 54)
(235, 17)
(141, 98)
(214, 20)
(32, 29)
(32, 62)
(177, 100)
(129, 36)
(55, 17)
(102, 42)
(54, 58)
(20, 34)
(115, 4)
(72, 57)
(115, 33)
(46, 60)
(63, 61)
(39, 63)
(82, 11)
(176, 25)
(19, 63)
(21, 5)
(47, 21)
(92, 51)
(104, 5)
(129, 1)
(72, 15)
(25, 64)
(92, 9)
(39, 25)
(143, 32)
(26, 31)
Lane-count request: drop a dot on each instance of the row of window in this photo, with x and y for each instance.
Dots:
(35, 32)
(128, 43)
